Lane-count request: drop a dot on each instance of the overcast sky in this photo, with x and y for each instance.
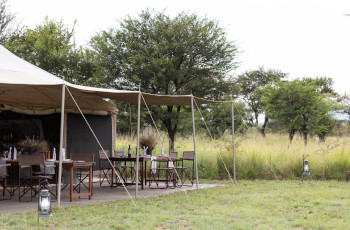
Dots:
(299, 37)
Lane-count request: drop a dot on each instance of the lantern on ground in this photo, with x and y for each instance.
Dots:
(306, 167)
(44, 203)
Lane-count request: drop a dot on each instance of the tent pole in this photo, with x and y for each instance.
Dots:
(137, 144)
(194, 141)
(61, 146)
(233, 145)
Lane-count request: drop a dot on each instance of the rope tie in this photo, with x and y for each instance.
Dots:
(202, 118)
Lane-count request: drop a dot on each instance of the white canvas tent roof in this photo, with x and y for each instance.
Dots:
(28, 89)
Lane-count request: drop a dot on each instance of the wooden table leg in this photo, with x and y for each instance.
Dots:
(142, 174)
(71, 184)
(145, 173)
(112, 173)
(90, 182)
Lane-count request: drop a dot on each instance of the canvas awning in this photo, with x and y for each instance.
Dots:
(25, 87)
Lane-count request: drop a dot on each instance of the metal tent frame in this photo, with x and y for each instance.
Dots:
(139, 94)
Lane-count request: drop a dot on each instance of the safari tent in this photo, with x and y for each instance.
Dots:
(30, 93)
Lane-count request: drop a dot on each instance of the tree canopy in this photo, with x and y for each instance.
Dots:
(51, 46)
(166, 55)
(301, 106)
(251, 85)
(9, 28)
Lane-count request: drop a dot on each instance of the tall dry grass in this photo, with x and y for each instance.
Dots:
(272, 157)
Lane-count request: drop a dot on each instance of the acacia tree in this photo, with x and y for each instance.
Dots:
(51, 46)
(301, 106)
(9, 27)
(218, 118)
(251, 86)
(166, 55)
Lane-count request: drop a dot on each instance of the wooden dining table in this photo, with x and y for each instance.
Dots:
(70, 165)
(142, 161)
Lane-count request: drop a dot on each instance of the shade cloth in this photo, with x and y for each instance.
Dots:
(27, 88)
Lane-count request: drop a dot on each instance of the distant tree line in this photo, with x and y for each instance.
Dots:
(177, 55)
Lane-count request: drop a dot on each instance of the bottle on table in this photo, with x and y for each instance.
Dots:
(129, 152)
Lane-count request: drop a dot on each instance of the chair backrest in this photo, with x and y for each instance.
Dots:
(173, 155)
(162, 158)
(48, 168)
(118, 153)
(102, 154)
(3, 169)
(188, 155)
(25, 159)
(82, 157)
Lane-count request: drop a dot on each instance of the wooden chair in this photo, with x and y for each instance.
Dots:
(163, 170)
(27, 178)
(187, 169)
(123, 169)
(3, 178)
(104, 167)
(47, 176)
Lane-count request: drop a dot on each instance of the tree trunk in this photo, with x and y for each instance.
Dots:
(171, 141)
(304, 134)
(256, 119)
(171, 125)
(322, 138)
(291, 135)
(262, 130)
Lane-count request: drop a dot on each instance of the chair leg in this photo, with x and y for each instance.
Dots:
(4, 187)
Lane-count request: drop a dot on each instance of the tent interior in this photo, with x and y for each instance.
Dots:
(15, 127)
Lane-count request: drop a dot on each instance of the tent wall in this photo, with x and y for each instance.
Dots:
(81, 140)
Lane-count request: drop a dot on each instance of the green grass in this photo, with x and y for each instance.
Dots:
(272, 157)
(259, 204)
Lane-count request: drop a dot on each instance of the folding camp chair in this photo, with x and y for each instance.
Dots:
(187, 169)
(163, 170)
(104, 167)
(27, 178)
(46, 175)
(3, 178)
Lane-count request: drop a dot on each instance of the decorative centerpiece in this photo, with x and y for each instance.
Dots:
(33, 146)
(148, 140)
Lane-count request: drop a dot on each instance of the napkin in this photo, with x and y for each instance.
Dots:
(63, 154)
(54, 154)
(14, 153)
(9, 155)
(119, 165)
(154, 164)
(124, 151)
(145, 150)
(171, 164)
